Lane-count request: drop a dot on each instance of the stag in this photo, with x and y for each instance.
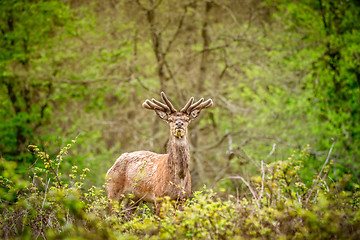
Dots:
(148, 176)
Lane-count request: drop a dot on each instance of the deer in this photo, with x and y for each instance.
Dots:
(148, 176)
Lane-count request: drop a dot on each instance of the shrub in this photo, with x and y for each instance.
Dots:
(55, 205)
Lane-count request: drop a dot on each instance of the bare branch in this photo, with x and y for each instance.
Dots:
(206, 44)
(262, 179)
(249, 157)
(218, 143)
(272, 151)
(319, 176)
(327, 159)
(248, 185)
(177, 30)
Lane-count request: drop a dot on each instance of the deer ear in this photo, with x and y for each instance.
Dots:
(163, 115)
(194, 114)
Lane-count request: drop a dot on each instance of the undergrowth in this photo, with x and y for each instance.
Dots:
(278, 204)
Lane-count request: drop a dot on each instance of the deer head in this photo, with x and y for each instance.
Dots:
(178, 120)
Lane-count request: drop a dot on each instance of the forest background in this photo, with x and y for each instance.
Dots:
(282, 75)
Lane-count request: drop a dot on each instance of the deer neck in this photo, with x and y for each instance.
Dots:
(179, 158)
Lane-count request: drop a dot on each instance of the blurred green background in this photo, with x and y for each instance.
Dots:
(282, 74)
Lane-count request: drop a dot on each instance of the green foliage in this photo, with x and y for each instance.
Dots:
(325, 54)
(55, 205)
(281, 74)
(27, 28)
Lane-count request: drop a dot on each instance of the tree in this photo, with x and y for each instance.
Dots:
(26, 87)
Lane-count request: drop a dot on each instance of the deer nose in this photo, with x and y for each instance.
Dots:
(179, 124)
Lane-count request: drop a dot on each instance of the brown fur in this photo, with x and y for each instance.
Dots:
(149, 176)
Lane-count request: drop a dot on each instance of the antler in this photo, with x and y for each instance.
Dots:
(187, 105)
(156, 105)
(169, 108)
(190, 106)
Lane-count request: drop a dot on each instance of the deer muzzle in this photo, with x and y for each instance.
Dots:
(179, 132)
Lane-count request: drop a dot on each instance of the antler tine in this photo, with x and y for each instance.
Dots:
(195, 105)
(208, 103)
(168, 103)
(161, 104)
(150, 105)
(154, 106)
(187, 105)
(145, 105)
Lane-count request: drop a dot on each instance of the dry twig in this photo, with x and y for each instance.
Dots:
(321, 171)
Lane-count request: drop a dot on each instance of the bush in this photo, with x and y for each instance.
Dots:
(52, 205)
